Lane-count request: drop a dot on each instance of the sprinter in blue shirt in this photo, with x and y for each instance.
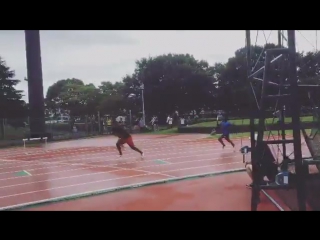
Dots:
(225, 129)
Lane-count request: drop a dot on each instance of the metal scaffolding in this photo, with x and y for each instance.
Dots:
(287, 86)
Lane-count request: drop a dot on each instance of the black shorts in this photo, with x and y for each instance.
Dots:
(226, 136)
(270, 170)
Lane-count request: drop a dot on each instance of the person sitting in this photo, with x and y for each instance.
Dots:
(269, 170)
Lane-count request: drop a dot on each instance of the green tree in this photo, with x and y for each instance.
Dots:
(181, 82)
(74, 96)
(308, 74)
(11, 104)
(56, 93)
(90, 98)
(171, 82)
(231, 80)
(112, 99)
(113, 105)
(109, 88)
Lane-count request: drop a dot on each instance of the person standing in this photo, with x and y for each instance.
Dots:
(170, 121)
(109, 125)
(182, 121)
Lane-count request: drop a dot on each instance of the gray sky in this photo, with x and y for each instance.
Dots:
(95, 56)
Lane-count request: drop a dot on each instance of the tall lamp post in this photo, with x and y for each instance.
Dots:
(132, 95)
(142, 97)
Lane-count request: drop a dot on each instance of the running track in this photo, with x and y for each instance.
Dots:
(70, 169)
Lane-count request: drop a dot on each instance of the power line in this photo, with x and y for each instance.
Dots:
(307, 40)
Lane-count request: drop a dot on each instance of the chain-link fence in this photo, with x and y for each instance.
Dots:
(12, 131)
(68, 127)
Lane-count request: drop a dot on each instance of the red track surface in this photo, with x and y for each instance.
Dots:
(223, 192)
(73, 168)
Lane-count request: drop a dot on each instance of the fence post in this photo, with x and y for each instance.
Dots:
(1, 128)
(99, 122)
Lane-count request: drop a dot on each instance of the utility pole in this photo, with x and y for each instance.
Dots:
(35, 83)
(142, 97)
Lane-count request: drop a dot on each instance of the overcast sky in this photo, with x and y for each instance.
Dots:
(95, 56)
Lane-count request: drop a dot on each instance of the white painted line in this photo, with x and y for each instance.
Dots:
(113, 171)
(14, 152)
(27, 172)
(88, 166)
(273, 201)
(105, 158)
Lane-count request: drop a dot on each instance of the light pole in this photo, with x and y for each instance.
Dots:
(132, 95)
(142, 97)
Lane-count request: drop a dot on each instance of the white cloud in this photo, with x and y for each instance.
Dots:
(96, 56)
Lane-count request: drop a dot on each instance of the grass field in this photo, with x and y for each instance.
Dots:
(269, 121)
(165, 131)
(247, 134)
(266, 133)
(234, 135)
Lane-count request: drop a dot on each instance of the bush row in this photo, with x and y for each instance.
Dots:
(238, 128)
(66, 127)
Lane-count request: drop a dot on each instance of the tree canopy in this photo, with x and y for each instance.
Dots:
(170, 82)
(11, 103)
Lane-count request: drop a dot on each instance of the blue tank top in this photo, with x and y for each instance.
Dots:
(225, 127)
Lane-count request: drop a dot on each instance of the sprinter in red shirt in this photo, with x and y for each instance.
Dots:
(124, 137)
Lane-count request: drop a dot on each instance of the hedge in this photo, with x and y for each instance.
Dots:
(66, 127)
(239, 128)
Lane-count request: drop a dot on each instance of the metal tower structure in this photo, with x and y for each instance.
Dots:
(287, 86)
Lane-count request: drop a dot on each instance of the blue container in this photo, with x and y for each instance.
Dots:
(282, 178)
